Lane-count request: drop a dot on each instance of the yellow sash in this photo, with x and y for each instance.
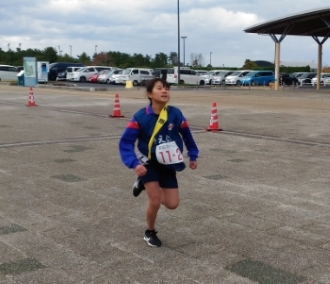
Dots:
(160, 122)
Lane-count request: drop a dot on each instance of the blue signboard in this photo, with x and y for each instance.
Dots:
(30, 71)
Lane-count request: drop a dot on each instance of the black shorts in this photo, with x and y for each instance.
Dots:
(156, 172)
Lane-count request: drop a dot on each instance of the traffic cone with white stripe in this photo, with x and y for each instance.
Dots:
(214, 123)
(116, 108)
(31, 101)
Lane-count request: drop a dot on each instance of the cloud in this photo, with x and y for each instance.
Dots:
(149, 27)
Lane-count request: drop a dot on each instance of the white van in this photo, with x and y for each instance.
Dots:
(84, 73)
(235, 76)
(136, 75)
(70, 70)
(8, 73)
(187, 76)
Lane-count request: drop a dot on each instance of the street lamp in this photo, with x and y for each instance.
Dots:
(20, 46)
(70, 50)
(178, 2)
(59, 50)
(210, 59)
(8, 46)
(95, 49)
(184, 50)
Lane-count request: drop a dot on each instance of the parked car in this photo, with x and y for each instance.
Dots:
(324, 79)
(61, 76)
(115, 76)
(208, 77)
(136, 75)
(287, 79)
(187, 76)
(8, 72)
(59, 67)
(84, 73)
(95, 77)
(306, 78)
(255, 78)
(70, 71)
(104, 78)
(219, 78)
(235, 76)
(201, 72)
(160, 73)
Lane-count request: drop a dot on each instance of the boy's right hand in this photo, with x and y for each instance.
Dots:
(140, 170)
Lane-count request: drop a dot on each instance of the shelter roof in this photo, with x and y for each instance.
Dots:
(308, 23)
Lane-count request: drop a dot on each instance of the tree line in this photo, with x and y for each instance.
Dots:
(124, 60)
(110, 58)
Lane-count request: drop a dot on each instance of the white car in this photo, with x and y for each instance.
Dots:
(208, 77)
(324, 79)
(234, 77)
(84, 73)
(136, 75)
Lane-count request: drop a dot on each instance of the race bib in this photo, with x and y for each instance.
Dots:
(168, 153)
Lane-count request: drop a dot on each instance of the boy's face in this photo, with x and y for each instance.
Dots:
(159, 94)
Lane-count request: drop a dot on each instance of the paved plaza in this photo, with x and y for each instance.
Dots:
(256, 210)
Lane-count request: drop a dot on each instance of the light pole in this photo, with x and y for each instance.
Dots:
(59, 50)
(184, 50)
(8, 46)
(210, 59)
(70, 50)
(95, 49)
(20, 46)
(178, 41)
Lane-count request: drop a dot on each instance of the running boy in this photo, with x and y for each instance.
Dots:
(160, 130)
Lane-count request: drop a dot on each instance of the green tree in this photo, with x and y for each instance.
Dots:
(249, 65)
(160, 60)
(84, 59)
(50, 54)
(173, 58)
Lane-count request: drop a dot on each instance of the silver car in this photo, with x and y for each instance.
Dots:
(115, 76)
(234, 77)
(104, 78)
(219, 78)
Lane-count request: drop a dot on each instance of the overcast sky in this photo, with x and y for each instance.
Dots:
(150, 27)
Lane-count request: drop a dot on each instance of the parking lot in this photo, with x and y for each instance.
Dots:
(255, 211)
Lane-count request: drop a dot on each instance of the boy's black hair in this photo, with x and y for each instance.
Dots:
(151, 84)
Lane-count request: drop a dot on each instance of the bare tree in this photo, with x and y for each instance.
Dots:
(196, 60)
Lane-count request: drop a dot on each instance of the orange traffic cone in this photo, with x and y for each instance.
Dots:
(116, 108)
(31, 101)
(214, 123)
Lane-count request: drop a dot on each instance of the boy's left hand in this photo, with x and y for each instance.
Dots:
(193, 165)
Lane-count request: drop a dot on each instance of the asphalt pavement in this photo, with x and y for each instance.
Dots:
(256, 210)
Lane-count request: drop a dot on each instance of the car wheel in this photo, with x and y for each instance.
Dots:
(107, 81)
(202, 83)
(210, 82)
(82, 79)
(181, 82)
(135, 83)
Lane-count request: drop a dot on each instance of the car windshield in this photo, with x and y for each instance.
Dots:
(304, 75)
(251, 74)
(127, 71)
(236, 73)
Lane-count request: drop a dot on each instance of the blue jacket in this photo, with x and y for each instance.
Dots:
(141, 128)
